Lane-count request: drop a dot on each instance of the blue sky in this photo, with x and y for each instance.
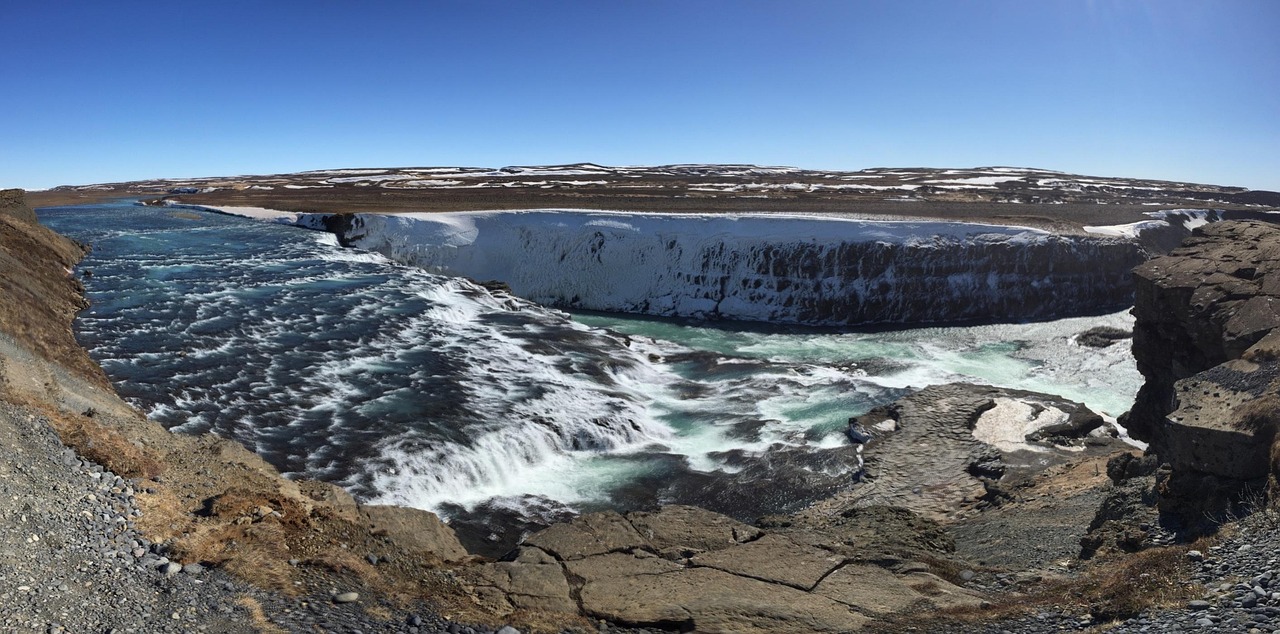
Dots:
(109, 91)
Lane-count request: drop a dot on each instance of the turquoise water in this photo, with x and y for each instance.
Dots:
(424, 390)
(1037, 356)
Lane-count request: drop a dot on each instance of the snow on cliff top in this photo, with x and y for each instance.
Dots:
(461, 227)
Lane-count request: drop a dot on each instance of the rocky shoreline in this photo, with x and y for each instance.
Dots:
(167, 528)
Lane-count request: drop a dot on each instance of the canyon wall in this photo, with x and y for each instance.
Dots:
(1206, 339)
(774, 268)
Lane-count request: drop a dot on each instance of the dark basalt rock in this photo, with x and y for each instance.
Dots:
(1206, 340)
(1200, 306)
(1102, 336)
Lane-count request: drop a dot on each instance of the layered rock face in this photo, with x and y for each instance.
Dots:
(13, 204)
(1206, 340)
(799, 270)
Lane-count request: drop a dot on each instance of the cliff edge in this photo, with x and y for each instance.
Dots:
(13, 204)
(129, 505)
(1206, 338)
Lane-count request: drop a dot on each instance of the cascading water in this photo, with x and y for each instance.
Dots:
(415, 388)
(771, 268)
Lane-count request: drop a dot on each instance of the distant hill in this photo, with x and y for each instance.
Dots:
(1025, 194)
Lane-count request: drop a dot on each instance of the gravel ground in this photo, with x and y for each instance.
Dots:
(1241, 580)
(71, 560)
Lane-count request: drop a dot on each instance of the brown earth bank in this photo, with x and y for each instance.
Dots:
(942, 525)
(1022, 196)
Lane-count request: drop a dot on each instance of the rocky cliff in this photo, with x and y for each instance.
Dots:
(1206, 340)
(13, 204)
(197, 500)
(778, 269)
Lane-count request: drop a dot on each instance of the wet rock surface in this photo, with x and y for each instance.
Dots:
(1103, 336)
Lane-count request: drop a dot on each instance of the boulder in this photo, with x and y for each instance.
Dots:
(416, 529)
(802, 566)
(586, 535)
(691, 528)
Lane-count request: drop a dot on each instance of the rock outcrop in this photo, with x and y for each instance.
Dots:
(948, 449)
(1206, 340)
(13, 204)
(690, 569)
(813, 271)
(881, 546)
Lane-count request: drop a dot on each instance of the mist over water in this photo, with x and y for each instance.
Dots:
(424, 390)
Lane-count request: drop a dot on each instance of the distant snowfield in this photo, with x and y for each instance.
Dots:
(257, 213)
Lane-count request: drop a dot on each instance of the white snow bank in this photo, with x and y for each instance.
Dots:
(782, 268)
(427, 228)
(257, 213)
(1188, 219)
(976, 180)
(1007, 425)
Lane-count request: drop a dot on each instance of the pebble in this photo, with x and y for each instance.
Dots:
(346, 597)
(78, 563)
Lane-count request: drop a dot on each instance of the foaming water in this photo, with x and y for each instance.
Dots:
(418, 389)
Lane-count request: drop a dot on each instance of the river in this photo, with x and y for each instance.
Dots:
(417, 389)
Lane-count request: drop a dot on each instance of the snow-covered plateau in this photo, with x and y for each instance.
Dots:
(760, 267)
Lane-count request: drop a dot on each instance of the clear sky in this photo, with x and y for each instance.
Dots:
(111, 91)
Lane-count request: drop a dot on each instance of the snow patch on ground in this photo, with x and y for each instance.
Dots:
(1189, 219)
(257, 213)
(1007, 425)
(976, 180)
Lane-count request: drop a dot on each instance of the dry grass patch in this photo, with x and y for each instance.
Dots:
(1155, 578)
(103, 445)
(1260, 416)
(1111, 590)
